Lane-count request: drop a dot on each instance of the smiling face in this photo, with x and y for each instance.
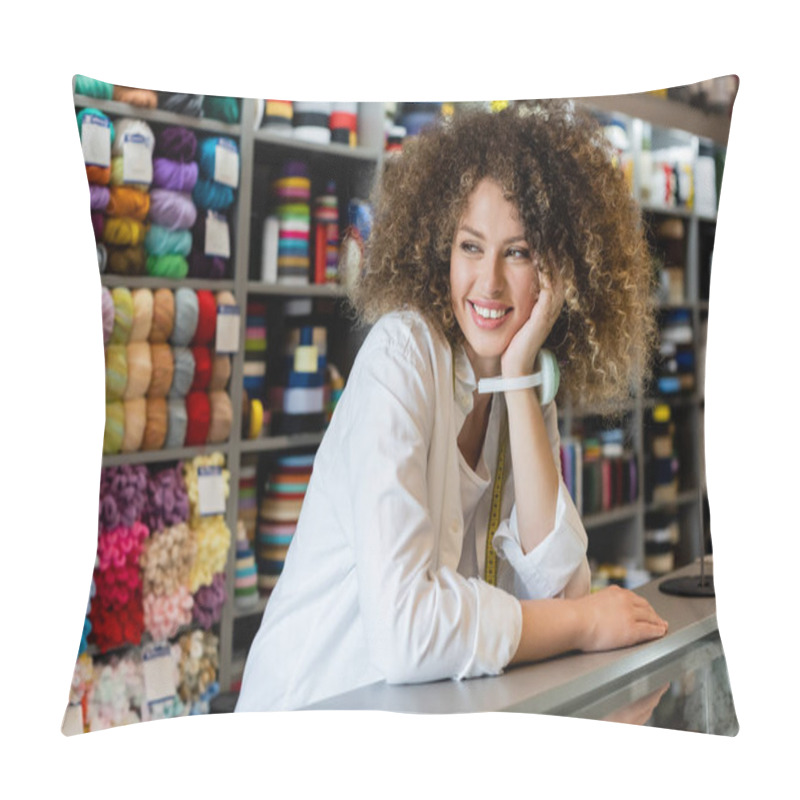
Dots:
(494, 280)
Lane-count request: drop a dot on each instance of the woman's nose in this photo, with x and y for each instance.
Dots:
(492, 274)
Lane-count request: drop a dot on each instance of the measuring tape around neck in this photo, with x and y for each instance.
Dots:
(490, 568)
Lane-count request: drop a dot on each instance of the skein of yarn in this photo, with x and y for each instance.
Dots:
(172, 210)
(163, 316)
(176, 143)
(135, 97)
(92, 88)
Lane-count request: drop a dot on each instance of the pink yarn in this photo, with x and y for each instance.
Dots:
(165, 614)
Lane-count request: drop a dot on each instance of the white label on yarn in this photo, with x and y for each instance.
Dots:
(228, 320)
(226, 164)
(137, 159)
(96, 142)
(218, 238)
(158, 670)
(210, 491)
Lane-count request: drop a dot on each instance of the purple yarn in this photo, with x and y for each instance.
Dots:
(176, 143)
(167, 500)
(98, 223)
(172, 210)
(175, 175)
(98, 197)
(123, 492)
(108, 314)
(208, 602)
(203, 266)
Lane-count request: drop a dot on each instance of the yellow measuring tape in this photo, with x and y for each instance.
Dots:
(490, 568)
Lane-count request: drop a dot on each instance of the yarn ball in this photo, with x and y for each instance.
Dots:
(124, 231)
(213, 540)
(207, 153)
(135, 418)
(93, 88)
(135, 97)
(225, 109)
(107, 305)
(142, 315)
(96, 114)
(206, 318)
(167, 503)
(164, 615)
(203, 266)
(190, 468)
(98, 223)
(178, 176)
(114, 428)
(208, 602)
(198, 412)
(117, 176)
(98, 197)
(126, 260)
(116, 360)
(100, 176)
(183, 374)
(140, 369)
(221, 417)
(163, 316)
(166, 559)
(220, 372)
(155, 432)
(162, 241)
(129, 128)
(177, 144)
(209, 194)
(225, 298)
(202, 368)
(163, 370)
(186, 316)
(172, 210)
(169, 266)
(189, 104)
(123, 315)
(126, 201)
(122, 495)
(176, 423)
(113, 627)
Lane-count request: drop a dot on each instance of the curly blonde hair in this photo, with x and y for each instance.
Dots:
(555, 166)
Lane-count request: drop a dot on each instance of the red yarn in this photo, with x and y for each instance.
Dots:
(206, 318)
(198, 411)
(203, 365)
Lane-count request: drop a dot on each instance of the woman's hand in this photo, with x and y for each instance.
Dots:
(615, 617)
(520, 355)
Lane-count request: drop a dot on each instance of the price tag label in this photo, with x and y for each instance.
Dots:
(137, 165)
(73, 720)
(158, 671)
(218, 238)
(226, 163)
(96, 141)
(210, 491)
(228, 321)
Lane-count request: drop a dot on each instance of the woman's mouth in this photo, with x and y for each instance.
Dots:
(488, 316)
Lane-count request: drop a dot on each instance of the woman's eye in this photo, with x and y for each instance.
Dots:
(470, 247)
(519, 253)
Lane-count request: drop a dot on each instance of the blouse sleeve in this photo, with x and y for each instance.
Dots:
(422, 622)
(559, 560)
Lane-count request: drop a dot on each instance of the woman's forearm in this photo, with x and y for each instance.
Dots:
(535, 476)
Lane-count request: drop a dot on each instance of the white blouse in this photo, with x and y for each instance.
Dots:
(382, 579)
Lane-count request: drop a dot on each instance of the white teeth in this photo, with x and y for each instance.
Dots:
(488, 313)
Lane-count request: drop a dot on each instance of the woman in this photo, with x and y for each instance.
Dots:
(493, 235)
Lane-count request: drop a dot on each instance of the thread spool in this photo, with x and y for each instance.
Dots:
(140, 370)
(186, 315)
(163, 316)
(163, 370)
(221, 417)
(172, 210)
(155, 431)
(125, 201)
(114, 428)
(135, 419)
(198, 412)
(183, 373)
(142, 315)
(176, 422)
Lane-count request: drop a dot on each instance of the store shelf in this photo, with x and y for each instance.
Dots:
(275, 443)
(116, 109)
(293, 290)
(145, 282)
(160, 456)
(334, 149)
(681, 499)
(611, 517)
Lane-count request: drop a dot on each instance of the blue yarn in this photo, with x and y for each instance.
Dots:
(187, 312)
(177, 419)
(93, 112)
(182, 379)
(93, 88)
(208, 194)
(161, 241)
(207, 153)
